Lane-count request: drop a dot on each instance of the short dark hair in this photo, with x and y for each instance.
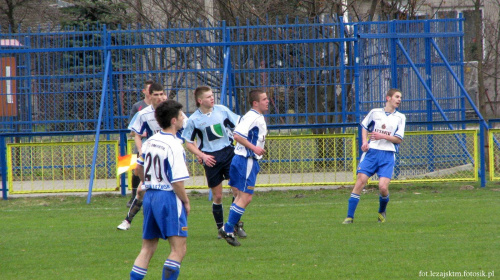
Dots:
(155, 87)
(166, 111)
(148, 83)
(253, 95)
(392, 91)
(198, 92)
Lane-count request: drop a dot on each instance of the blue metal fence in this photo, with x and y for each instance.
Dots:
(320, 74)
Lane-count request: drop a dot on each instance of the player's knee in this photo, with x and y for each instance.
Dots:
(384, 190)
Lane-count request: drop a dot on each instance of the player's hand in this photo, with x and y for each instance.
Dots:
(258, 151)
(365, 147)
(208, 160)
(199, 159)
(376, 136)
(187, 206)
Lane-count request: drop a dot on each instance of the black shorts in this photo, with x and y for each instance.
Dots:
(220, 171)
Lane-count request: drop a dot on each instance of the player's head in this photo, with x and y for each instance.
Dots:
(393, 97)
(145, 89)
(258, 100)
(169, 113)
(157, 94)
(204, 97)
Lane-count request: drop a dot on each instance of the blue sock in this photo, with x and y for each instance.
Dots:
(138, 273)
(235, 213)
(171, 270)
(383, 203)
(353, 203)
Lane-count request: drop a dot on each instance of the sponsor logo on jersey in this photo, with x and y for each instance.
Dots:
(214, 132)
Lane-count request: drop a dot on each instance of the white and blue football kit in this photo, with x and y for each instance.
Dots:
(380, 157)
(245, 165)
(164, 163)
(145, 120)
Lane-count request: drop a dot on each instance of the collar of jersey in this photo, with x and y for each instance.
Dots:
(255, 111)
(166, 133)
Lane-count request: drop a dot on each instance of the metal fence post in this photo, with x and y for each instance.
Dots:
(3, 164)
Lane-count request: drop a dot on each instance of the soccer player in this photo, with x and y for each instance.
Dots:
(139, 105)
(207, 137)
(385, 129)
(163, 170)
(145, 121)
(250, 134)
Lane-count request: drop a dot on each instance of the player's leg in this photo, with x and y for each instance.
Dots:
(172, 265)
(217, 209)
(135, 183)
(384, 173)
(366, 168)
(141, 263)
(383, 186)
(134, 209)
(361, 181)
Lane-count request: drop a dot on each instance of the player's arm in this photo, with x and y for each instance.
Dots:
(364, 140)
(138, 142)
(140, 172)
(243, 141)
(180, 191)
(209, 160)
(379, 136)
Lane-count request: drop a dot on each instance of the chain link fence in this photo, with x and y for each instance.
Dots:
(61, 167)
(494, 153)
(290, 160)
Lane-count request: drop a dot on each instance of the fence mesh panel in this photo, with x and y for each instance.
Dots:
(61, 167)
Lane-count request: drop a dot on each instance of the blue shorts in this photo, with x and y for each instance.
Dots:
(377, 161)
(243, 173)
(220, 171)
(164, 215)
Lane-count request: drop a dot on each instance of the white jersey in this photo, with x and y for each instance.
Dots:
(252, 126)
(392, 124)
(145, 120)
(164, 161)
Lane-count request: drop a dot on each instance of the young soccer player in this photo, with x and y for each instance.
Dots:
(250, 134)
(385, 128)
(206, 136)
(163, 170)
(138, 106)
(145, 121)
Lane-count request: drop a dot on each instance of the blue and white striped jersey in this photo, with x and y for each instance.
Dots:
(392, 124)
(212, 131)
(253, 127)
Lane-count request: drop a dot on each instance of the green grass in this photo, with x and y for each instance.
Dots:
(292, 235)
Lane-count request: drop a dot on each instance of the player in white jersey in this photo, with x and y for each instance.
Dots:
(385, 129)
(250, 133)
(138, 106)
(144, 121)
(208, 135)
(162, 168)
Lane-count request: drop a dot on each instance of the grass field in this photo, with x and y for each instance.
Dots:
(439, 228)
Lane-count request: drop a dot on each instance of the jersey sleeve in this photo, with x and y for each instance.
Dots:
(133, 112)
(140, 158)
(400, 130)
(368, 122)
(243, 127)
(187, 130)
(178, 167)
(136, 124)
(232, 117)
